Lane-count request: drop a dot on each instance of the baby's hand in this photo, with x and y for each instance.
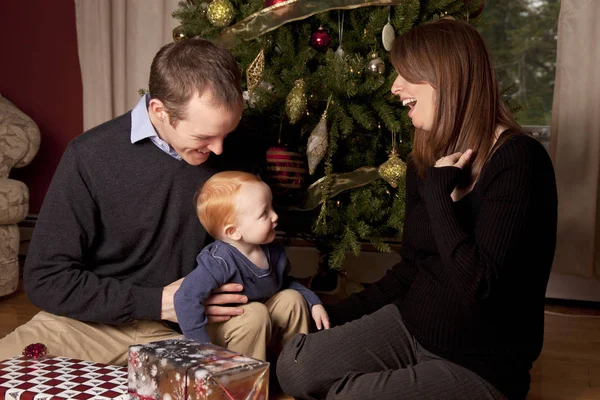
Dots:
(320, 316)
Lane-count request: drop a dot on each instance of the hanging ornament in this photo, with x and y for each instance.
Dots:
(394, 169)
(255, 71)
(251, 99)
(375, 66)
(179, 34)
(286, 170)
(318, 141)
(203, 8)
(388, 34)
(320, 39)
(269, 3)
(339, 53)
(295, 103)
(220, 13)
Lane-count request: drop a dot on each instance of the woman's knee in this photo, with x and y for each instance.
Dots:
(294, 368)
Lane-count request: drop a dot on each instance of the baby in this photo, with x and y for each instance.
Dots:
(235, 208)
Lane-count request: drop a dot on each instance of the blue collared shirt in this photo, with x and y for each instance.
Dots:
(142, 128)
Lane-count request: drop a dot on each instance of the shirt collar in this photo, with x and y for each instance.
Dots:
(141, 127)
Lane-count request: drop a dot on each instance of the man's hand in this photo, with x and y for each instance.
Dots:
(320, 316)
(167, 311)
(213, 308)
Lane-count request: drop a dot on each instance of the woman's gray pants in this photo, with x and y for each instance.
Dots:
(374, 357)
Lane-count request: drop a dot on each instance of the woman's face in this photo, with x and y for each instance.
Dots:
(420, 98)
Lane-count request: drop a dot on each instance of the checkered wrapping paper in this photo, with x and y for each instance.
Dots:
(61, 378)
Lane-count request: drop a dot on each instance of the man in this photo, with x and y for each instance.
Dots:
(117, 231)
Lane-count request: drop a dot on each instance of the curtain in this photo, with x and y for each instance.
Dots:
(117, 40)
(575, 138)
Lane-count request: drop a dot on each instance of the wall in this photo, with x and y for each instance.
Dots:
(39, 72)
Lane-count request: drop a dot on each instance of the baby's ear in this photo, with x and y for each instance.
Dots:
(231, 232)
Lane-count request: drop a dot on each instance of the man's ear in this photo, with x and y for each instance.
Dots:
(230, 231)
(157, 108)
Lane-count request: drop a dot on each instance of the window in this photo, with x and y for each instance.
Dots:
(521, 36)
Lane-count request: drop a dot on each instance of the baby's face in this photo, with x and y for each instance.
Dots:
(255, 218)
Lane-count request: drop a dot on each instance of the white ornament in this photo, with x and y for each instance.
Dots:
(387, 36)
(317, 144)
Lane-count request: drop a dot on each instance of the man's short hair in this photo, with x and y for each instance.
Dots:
(193, 66)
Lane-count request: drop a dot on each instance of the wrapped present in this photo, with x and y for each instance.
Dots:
(60, 378)
(180, 369)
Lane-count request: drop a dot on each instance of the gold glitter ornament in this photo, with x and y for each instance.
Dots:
(318, 141)
(295, 103)
(255, 71)
(220, 13)
(393, 170)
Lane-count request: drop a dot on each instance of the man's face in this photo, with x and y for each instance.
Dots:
(202, 131)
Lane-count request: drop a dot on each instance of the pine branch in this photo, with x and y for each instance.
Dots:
(362, 115)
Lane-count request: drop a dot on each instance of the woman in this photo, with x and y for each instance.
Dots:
(461, 317)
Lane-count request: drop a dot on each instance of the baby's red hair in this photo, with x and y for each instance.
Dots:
(214, 204)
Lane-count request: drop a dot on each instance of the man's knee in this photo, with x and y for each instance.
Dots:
(9, 348)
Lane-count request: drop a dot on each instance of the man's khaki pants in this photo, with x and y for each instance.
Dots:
(280, 318)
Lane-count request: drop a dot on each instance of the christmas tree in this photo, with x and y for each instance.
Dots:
(317, 98)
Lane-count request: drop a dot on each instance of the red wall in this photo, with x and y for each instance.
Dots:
(39, 73)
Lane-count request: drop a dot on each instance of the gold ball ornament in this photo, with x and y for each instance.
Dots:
(375, 66)
(179, 34)
(220, 13)
(296, 102)
(393, 170)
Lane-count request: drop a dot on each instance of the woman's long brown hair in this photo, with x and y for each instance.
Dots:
(452, 57)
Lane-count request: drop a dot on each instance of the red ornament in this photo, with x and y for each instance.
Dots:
(320, 39)
(269, 3)
(285, 171)
(478, 11)
(35, 351)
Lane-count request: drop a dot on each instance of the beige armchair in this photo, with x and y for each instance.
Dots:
(19, 142)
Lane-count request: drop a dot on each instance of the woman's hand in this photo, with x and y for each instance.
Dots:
(458, 159)
(320, 316)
